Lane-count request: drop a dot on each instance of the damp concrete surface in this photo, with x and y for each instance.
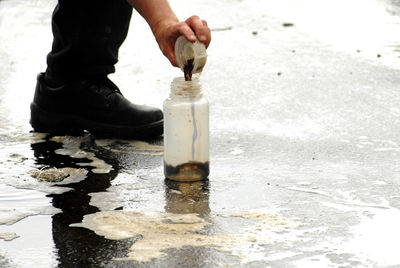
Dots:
(304, 146)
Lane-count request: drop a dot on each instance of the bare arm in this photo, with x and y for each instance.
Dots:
(167, 28)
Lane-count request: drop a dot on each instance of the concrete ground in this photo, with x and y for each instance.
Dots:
(305, 150)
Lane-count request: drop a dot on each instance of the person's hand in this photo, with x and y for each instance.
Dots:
(193, 28)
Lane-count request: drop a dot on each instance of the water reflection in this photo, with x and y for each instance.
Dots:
(81, 247)
(187, 197)
(78, 247)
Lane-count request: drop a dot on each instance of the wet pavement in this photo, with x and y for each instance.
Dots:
(305, 151)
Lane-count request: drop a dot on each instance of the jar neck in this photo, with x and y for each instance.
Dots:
(180, 88)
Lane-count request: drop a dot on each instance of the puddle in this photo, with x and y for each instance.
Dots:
(17, 204)
(160, 231)
(131, 147)
(72, 148)
(30, 245)
(48, 168)
(27, 180)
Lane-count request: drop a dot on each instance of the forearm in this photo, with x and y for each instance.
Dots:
(155, 12)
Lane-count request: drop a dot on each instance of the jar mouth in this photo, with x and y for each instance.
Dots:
(182, 88)
(195, 79)
(181, 83)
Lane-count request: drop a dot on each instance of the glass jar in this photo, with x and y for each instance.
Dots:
(186, 132)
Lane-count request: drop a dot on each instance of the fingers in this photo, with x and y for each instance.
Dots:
(200, 29)
(184, 29)
(193, 29)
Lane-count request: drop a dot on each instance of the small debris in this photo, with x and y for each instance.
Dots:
(378, 55)
(17, 158)
(54, 174)
(254, 32)
(8, 236)
(279, 73)
(287, 24)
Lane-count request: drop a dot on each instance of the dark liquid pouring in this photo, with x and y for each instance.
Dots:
(188, 69)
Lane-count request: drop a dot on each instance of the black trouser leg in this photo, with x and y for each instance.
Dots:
(87, 37)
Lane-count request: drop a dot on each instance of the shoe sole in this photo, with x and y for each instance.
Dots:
(65, 124)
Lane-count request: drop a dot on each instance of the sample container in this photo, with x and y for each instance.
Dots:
(186, 132)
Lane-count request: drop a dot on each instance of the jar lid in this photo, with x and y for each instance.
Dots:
(186, 51)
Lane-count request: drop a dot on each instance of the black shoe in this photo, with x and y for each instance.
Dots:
(95, 105)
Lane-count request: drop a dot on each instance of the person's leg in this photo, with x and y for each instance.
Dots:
(75, 94)
(87, 36)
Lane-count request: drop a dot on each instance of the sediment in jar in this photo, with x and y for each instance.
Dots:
(191, 171)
